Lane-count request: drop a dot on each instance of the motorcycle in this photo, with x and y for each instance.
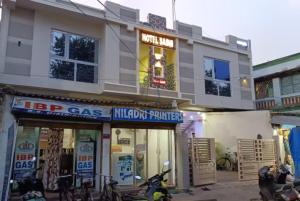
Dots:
(270, 190)
(31, 188)
(284, 176)
(157, 186)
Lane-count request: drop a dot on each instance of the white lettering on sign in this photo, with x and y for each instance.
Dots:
(157, 40)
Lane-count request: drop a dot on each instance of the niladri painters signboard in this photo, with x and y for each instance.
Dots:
(132, 114)
(59, 108)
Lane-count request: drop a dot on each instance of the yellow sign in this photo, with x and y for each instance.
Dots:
(161, 41)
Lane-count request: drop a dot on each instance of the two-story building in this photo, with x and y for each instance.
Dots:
(98, 91)
(277, 90)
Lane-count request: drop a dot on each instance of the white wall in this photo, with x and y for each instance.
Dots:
(44, 22)
(235, 101)
(227, 127)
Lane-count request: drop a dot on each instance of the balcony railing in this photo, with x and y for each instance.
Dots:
(290, 101)
(265, 104)
(270, 103)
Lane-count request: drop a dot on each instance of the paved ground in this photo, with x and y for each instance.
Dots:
(224, 191)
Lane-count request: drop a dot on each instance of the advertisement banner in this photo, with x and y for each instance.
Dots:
(85, 162)
(123, 168)
(132, 114)
(26, 146)
(67, 109)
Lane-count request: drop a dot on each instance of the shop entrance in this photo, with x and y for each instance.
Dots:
(141, 152)
(59, 151)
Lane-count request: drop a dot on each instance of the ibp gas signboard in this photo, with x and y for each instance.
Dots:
(67, 109)
(25, 151)
(85, 161)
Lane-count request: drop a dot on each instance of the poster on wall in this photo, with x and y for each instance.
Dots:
(85, 162)
(26, 146)
(123, 168)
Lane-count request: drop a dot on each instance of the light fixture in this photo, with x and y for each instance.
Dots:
(158, 56)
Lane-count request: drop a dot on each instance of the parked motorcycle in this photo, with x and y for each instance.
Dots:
(31, 188)
(284, 176)
(157, 186)
(271, 190)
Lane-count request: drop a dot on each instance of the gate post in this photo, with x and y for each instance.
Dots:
(182, 160)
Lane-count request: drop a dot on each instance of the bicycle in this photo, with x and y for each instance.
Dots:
(84, 191)
(66, 190)
(225, 162)
(109, 191)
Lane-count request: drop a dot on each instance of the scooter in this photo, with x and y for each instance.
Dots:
(157, 186)
(270, 190)
(31, 188)
(282, 177)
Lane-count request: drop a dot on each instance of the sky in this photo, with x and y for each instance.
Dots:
(271, 25)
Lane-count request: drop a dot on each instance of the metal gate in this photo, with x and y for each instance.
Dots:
(202, 159)
(254, 154)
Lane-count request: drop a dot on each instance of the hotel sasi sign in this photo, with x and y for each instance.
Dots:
(157, 40)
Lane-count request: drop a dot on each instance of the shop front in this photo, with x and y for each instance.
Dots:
(64, 137)
(141, 141)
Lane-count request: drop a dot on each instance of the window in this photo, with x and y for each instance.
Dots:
(217, 77)
(290, 84)
(73, 57)
(264, 89)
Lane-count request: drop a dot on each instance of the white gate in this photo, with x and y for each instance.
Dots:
(202, 159)
(254, 154)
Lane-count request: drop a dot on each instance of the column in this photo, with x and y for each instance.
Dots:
(8, 131)
(182, 159)
(106, 136)
(277, 91)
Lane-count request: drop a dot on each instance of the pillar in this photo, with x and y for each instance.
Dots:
(106, 136)
(182, 159)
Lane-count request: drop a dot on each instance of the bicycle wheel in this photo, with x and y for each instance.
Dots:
(116, 196)
(224, 164)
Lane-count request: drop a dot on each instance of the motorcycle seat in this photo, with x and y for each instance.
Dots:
(297, 182)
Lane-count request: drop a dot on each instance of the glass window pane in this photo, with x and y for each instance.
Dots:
(296, 79)
(61, 69)
(122, 155)
(286, 81)
(264, 89)
(296, 88)
(82, 48)
(140, 155)
(58, 43)
(286, 85)
(211, 87)
(286, 90)
(208, 67)
(86, 73)
(224, 89)
(222, 70)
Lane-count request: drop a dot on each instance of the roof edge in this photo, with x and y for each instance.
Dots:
(277, 61)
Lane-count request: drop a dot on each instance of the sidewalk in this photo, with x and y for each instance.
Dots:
(226, 191)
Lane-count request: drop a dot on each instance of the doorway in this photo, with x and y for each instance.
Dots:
(141, 152)
(59, 151)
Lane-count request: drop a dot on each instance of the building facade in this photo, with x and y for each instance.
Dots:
(277, 91)
(106, 91)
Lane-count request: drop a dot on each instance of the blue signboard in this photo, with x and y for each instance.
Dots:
(67, 109)
(132, 114)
